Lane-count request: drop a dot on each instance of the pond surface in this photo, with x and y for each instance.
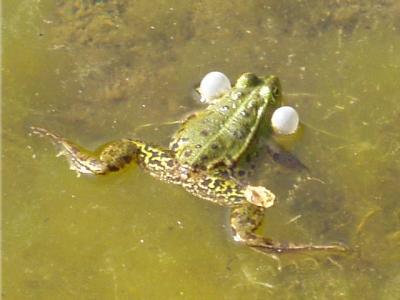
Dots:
(95, 71)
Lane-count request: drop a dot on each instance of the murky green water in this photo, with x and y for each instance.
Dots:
(96, 70)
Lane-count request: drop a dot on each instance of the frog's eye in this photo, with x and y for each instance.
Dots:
(276, 92)
(275, 87)
(247, 80)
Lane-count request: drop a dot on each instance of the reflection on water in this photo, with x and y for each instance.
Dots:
(98, 70)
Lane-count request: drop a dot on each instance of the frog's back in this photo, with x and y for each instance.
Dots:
(220, 133)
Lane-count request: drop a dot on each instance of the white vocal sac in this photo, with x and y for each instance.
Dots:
(213, 85)
(285, 120)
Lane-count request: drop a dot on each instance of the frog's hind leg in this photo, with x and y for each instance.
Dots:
(246, 219)
(108, 158)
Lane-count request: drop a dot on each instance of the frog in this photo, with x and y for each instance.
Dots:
(227, 133)
(204, 156)
(223, 131)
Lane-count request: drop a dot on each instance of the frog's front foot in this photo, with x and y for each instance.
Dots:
(259, 196)
(247, 218)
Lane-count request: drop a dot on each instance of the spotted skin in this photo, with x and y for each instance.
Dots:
(221, 133)
(161, 164)
(247, 202)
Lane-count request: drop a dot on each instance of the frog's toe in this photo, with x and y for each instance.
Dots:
(40, 131)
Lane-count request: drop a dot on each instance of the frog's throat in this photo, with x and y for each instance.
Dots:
(259, 195)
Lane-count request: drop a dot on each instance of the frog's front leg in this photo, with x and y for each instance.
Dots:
(283, 157)
(246, 219)
(108, 158)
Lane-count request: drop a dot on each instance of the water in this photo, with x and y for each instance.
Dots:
(97, 70)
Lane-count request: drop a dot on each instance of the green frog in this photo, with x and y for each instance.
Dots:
(204, 157)
(221, 133)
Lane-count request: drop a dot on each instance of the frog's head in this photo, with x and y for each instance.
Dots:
(268, 87)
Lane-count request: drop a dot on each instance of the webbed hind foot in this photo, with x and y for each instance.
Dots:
(108, 158)
(247, 218)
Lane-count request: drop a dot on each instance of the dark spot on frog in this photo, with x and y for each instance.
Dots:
(236, 199)
(163, 155)
(218, 182)
(174, 146)
(214, 146)
(228, 190)
(207, 182)
(251, 221)
(224, 173)
(127, 159)
(204, 157)
(199, 167)
(241, 173)
(155, 154)
(155, 162)
(170, 163)
(187, 153)
(204, 132)
(238, 134)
